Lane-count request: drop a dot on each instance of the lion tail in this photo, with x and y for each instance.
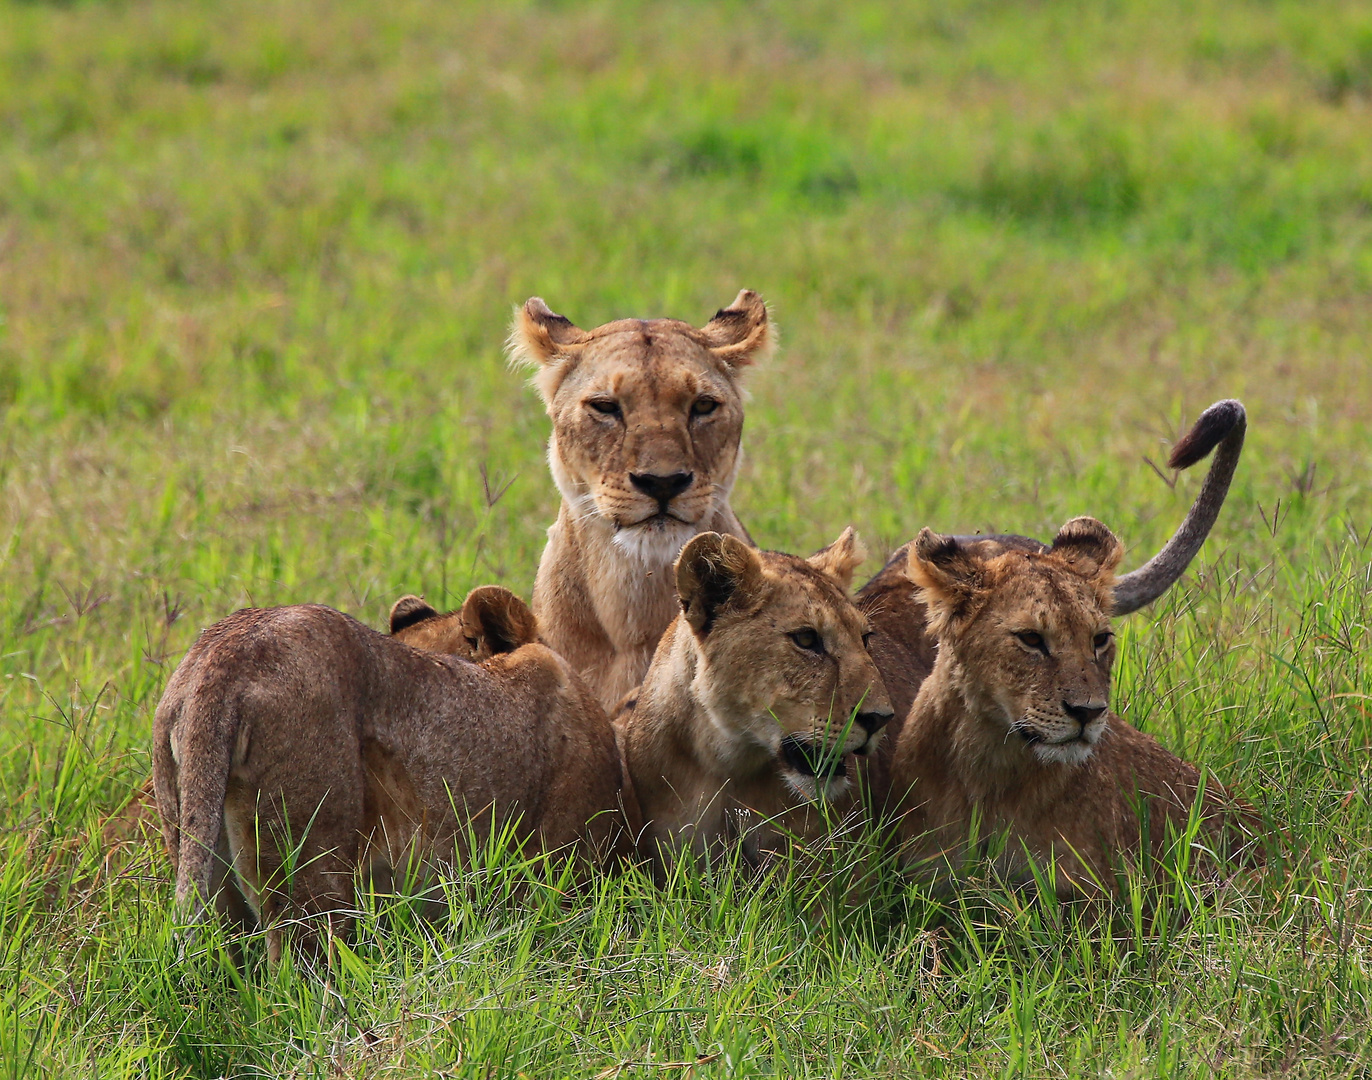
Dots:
(1223, 425)
(192, 754)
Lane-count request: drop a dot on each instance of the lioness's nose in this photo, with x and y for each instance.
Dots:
(1083, 714)
(662, 488)
(872, 722)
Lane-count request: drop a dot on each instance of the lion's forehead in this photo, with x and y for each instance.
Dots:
(647, 365)
(808, 598)
(1045, 596)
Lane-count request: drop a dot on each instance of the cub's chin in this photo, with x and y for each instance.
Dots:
(1069, 753)
(814, 775)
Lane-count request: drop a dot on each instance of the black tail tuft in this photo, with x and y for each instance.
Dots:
(1207, 432)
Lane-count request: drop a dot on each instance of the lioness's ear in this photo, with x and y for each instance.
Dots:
(1088, 547)
(714, 572)
(499, 621)
(947, 575)
(409, 610)
(545, 341)
(540, 335)
(740, 334)
(840, 558)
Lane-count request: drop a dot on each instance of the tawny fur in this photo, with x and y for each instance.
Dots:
(646, 398)
(604, 590)
(1012, 729)
(300, 726)
(738, 730)
(902, 646)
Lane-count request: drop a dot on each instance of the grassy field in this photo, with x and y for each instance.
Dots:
(256, 266)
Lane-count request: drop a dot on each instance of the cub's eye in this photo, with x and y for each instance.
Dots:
(704, 406)
(473, 642)
(867, 639)
(1102, 639)
(605, 406)
(809, 640)
(1033, 640)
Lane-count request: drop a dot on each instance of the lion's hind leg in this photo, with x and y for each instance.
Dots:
(296, 860)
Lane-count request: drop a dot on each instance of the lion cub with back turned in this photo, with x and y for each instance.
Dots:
(1013, 725)
(294, 746)
(758, 697)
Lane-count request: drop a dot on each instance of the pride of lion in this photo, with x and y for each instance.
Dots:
(675, 688)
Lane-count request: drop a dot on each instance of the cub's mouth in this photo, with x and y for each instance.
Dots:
(810, 760)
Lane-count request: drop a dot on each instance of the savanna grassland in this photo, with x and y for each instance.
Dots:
(257, 262)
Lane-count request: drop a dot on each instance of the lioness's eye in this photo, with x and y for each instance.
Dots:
(704, 406)
(605, 406)
(1033, 641)
(1103, 639)
(808, 639)
(867, 639)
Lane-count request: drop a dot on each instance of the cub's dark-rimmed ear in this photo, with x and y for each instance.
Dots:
(949, 578)
(714, 573)
(740, 334)
(841, 558)
(1088, 547)
(410, 611)
(497, 620)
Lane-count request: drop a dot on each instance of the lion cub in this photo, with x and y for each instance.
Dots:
(758, 697)
(1013, 725)
(491, 621)
(297, 746)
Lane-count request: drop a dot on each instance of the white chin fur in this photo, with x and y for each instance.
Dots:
(814, 788)
(656, 543)
(1072, 753)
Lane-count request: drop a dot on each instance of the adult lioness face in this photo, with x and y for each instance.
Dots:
(784, 670)
(647, 416)
(1032, 629)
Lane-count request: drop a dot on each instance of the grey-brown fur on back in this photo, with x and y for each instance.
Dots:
(302, 720)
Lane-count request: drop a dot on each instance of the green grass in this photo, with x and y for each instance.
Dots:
(256, 266)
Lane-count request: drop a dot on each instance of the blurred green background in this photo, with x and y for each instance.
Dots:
(257, 263)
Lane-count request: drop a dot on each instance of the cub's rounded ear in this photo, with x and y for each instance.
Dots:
(409, 610)
(713, 573)
(498, 621)
(948, 575)
(740, 334)
(1087, 546)
(840, 558)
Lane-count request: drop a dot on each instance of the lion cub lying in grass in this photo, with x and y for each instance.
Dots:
(1013, 725)
(757, 697)
(297, 746)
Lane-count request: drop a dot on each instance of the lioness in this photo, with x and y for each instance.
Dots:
(758, 695)
(647, 418)
(1012, 729)
(647, 426)
(296, 746)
